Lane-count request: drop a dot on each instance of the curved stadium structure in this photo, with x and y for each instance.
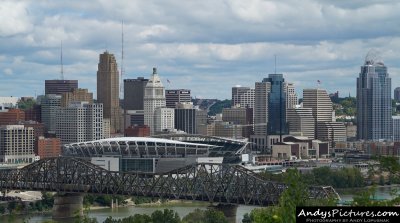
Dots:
(141, 153)
(223, 146)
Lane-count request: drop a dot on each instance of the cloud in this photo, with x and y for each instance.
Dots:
(14, 18)
(207, 46)
(8, 71)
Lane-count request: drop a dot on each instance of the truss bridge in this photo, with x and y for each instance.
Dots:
(216, 183)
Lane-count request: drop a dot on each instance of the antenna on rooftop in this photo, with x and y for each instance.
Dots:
(275, 63)
(122, 57)
(62, 65)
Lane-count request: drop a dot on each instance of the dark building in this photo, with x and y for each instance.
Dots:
(34, 113)
(185, 120)
(276, 105)
(134, 93)
(397, 94)
(172, 97)
(60, 86)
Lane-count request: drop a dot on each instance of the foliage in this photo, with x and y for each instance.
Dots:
(346, 106)
(27, 104)
(295, 195)
(143, 200)
(209, 216)
(340, 178)
(137, 218)
(390, 164)
(166, 216)
(218, 106)
(85, 219)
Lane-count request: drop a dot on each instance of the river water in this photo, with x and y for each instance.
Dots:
(182, 209)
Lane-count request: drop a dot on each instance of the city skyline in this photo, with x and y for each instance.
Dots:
(197, 45)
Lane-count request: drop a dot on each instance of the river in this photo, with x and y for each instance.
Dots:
(182, 209)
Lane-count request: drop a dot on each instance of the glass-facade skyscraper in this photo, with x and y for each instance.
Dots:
(374, 105)
(276, 105)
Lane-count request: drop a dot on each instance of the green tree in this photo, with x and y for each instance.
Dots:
(24, 105)
(209, 216)
(166, 216)
(296, 194)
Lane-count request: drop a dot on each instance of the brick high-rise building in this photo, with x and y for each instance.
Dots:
(48, 147)
(108, 89)
(77, 94)
(11, 117)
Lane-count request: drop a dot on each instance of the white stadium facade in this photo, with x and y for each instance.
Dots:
(151, 155)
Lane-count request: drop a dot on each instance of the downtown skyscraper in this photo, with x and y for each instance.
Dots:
(277, 105)
(374, 105)
(108, 89)
(154, 97)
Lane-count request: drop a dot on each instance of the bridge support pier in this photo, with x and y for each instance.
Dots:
(229, 211)
(68, 205)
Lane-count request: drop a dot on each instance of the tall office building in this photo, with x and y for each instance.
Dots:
(242, 117)
(173, 97)
(397, 94)
(374, 105)
(108, 89)
(164, 119)
(291, 96)
(154, 97)
(331, 132)
(320, 103)
(262, 90)
(59, 86)
(185, 118)
(301, 122)
(396, 128)
(16, 144)
(134, 101)
(134, 93)
(242, 97)
(80, 122)
(50, 104)
(276, 105)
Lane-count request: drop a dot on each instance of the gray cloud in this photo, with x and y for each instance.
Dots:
(207, 46)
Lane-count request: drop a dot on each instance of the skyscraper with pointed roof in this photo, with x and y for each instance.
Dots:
(374, 104)
(154, 97)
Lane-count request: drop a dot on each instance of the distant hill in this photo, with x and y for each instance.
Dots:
(218, 106)
(212, 106)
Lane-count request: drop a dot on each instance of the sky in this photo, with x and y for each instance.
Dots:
(207, 46)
